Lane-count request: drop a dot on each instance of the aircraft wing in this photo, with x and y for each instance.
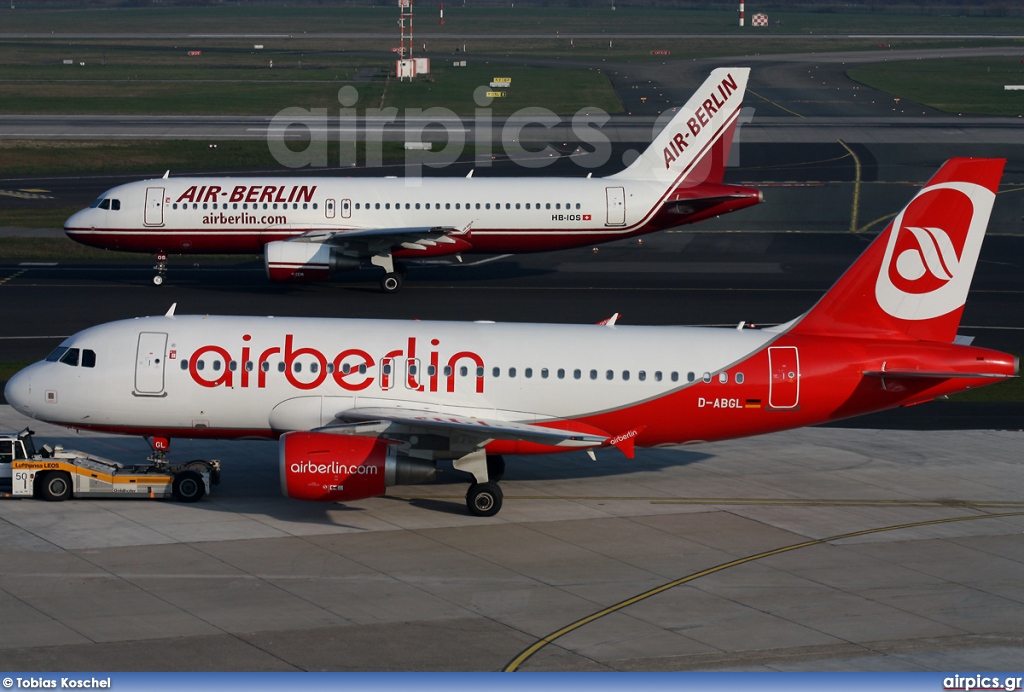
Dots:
(412, 238)
(480, 429)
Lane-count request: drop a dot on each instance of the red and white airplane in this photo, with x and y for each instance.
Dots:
(360, 405)
(308, 227)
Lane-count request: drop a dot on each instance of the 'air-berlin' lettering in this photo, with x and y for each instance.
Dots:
(701, 117)
(249, 193)
(352, 369)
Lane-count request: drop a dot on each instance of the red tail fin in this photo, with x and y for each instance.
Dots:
(912, 281)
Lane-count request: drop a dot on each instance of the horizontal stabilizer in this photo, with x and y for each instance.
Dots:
(922, 375)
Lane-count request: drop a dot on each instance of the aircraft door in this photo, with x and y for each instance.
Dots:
(346, 208)
(784, 373)
(149, 364)
(154, 206)
(616, 197)
(329, 209)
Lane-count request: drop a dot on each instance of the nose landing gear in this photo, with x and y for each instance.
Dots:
(161, 269)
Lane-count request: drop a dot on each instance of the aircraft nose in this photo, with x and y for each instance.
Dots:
(18, 392)
(76, 221)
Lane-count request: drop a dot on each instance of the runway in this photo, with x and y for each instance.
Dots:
(737, 555)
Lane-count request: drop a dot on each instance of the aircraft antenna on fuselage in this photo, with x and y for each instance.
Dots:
(170, 312)
(167, 174)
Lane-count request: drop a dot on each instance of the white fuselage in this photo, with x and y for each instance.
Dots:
(243, 214)
(236, 376)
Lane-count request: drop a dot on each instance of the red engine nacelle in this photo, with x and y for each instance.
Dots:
(338, 468)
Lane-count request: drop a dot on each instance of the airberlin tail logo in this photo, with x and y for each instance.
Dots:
(932, 251)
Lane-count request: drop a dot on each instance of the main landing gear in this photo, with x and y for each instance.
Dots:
(161, 269)
(484, 497)
(394, 274)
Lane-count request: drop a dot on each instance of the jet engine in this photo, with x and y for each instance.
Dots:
(298, 262)
(339, 468)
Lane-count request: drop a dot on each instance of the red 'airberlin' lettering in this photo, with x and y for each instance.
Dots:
(352, 369)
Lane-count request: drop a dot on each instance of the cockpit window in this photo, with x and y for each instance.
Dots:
(105, 204)
(71, 357)
(115, 205)
(56, 354)
(96, 203)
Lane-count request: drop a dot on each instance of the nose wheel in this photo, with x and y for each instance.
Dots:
(161, 269)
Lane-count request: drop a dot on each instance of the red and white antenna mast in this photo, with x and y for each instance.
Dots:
(405, 29)
(741, 12)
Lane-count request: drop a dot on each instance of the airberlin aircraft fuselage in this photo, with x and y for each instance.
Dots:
(308, 227)
(243, 215)
(231, 377)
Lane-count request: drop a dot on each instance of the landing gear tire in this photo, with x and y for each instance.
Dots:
(495, 467)
(391, 282)
(56, 486)
(188, 487)
(484, 499)
(158, 280)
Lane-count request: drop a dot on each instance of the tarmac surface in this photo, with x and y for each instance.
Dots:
(751, 537)
(249, 580)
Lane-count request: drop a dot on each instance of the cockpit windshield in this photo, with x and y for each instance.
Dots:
(56, 354)
(106, 203)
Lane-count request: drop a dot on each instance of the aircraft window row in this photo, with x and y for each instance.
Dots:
(468, 205)
(387, 368)
(346, 369)
(73, 357)
(108, 204)
(245, 205)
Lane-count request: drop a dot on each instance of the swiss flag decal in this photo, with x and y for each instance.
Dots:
(586, 217)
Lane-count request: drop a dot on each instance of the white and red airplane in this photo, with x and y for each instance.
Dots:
(308, 227)
(360, 405)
